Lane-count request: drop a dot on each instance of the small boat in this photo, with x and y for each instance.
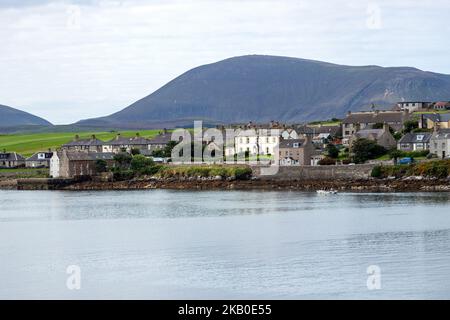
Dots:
(332, 191)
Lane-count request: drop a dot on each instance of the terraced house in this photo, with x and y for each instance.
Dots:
(11, 160)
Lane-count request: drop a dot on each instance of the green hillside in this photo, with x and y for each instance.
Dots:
(28, 144)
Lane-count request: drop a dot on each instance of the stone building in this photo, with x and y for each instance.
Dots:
(39, 160)
(296, 152)
(382, 137)
(88, 145)
(440, 143)
(11, 160)
(71, 164)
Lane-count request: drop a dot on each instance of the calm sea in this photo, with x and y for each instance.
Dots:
(161, 244)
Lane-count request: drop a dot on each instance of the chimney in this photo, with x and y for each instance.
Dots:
(93, 137)
(385, 127)
(349, 113)
(165, 131)
(117, 136)
(77, 137)
(137, 135)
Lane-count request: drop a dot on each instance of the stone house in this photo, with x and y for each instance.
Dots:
(431, 120)
(440, 143)
(11, 160)
(39, 160)
(382, 137)
(71, 164)
(121, 144)
(296, 152)
(412, 106)
(441, 105)
(160, 141)
(357, 121)
(88, 145)
(414, 141)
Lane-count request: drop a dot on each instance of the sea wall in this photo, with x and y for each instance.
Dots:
(340, 172)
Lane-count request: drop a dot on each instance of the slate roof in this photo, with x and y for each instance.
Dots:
(289, 143)
(442, 134)
(367, 133)
(84, 142)
(441, 117)
(90, 156)
(35, 157)
(161, 139)
(419, 137)
(11, 156)
(375, 117)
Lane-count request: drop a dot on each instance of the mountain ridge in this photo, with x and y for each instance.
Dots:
(12, 117)
(263, 88)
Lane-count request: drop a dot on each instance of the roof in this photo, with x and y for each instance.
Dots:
(367, 133)
(375, 117)
(418, 137)
(289, 143)
(11, 156)
(84, 142)
(332, 130)
(89, 156)
(441, 117)
(442, 134)
(121, 141)
(442, 103)
(35, 157)
(161, 139)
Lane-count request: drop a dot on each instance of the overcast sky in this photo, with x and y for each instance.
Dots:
(70, 60)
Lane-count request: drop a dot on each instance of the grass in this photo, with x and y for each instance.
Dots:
(25, 173)
(431, 111)
(28, 144)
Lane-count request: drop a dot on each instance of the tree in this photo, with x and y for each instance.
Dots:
(101, 166)
(140, 163)
(365, 149)
(332, 151)
(123, 160)
(135, 151)
(410, 125)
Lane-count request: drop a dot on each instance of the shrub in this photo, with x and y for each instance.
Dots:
(140, 163)
(327, 161)
(122, 175)
(365, 149)
(377, 172)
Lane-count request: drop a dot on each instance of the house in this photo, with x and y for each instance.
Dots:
(429, 121)
(356, 121)
(256, 141)
(414, 141)
(441, 105)
(382, 137)
(11, 160)
(122, 144)
(71, 164)
(289, 133)
(440, 143)
(160, 141)
(296, 152)
(39, 160)
(412, 106)
(87, 145)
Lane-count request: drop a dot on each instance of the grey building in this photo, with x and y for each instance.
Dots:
(440, 143)
(39, 160)
(11, 160)
(88, 145)
(414, 141)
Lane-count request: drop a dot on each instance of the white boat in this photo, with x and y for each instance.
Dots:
(332, 191)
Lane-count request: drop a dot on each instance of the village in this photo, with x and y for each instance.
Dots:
(411, 131)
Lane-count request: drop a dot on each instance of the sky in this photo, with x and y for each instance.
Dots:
(71, 60)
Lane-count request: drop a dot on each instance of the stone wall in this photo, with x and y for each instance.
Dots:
(341, 172)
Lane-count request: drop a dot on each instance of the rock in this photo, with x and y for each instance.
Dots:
(218, 178)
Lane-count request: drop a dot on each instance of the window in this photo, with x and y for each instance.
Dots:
(420, 137)
(248, 140)
(267, 139)
(295, 145)
(267, 150)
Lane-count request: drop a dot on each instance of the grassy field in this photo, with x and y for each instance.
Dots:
(28, 144)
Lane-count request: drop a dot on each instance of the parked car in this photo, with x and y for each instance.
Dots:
(406, 160)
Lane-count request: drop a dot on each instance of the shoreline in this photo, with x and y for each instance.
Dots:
(354, 185)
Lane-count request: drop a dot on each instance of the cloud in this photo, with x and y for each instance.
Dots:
(96, 57)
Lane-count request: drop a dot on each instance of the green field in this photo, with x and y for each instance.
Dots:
(28, 144)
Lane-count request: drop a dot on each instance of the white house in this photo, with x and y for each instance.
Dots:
(257, 141)
(55, 165)
(440, 143)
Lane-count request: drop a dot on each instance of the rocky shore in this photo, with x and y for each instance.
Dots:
(361, 185)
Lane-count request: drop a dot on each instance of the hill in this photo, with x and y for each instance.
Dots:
(10, 117)
(264, 88)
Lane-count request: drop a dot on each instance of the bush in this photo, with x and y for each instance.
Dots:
(122, 175)
(239, 172)
(377, 172)
(327, 161)
(365, 149)
(140, 163)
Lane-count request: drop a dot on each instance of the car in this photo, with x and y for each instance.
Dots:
(406, 160)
